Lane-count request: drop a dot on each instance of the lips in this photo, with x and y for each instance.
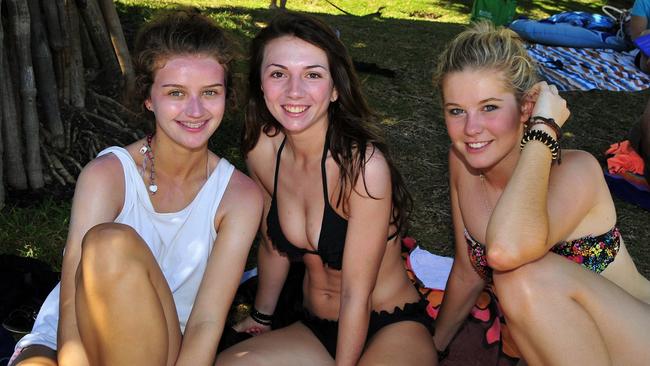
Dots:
(477, 145)
(295, 109)
(193, 125)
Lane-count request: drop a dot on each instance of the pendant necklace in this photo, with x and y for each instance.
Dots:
(147, 151)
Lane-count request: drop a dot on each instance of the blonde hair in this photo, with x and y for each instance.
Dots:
(483, 46)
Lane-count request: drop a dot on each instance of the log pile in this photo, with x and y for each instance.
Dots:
(64, 65)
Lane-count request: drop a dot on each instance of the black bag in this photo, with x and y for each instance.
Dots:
(24, 285)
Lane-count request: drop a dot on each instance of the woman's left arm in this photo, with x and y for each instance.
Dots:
(237, 220)
(518, 229)
(370, 206)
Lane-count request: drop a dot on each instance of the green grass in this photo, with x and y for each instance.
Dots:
(406, 38)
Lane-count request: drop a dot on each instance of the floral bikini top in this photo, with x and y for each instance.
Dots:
(592, 252)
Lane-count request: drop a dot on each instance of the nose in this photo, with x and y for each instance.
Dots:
(194, 107)
(295, 87)
(473, 124)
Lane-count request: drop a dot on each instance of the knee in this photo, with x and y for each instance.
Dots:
(107, 249)
(522, 290)
(234, 357)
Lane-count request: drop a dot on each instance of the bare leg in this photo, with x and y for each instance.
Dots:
(36, 355)
(125, 310)
(403, 343)
(562, 314)
(293, 345)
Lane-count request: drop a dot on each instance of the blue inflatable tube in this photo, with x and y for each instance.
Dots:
(567, 35)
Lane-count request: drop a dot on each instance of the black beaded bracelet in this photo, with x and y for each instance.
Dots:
(546, 139)
(261, 318)
(550, 122)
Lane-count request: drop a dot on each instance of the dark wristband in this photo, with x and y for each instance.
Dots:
(261, 318)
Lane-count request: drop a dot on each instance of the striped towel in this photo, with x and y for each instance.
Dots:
(588, 68)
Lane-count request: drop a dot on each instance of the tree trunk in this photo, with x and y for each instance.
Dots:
(63, 59)
(19, 20)
(89, 55)
(54, 33)
(76, 63)
(2, 184)
(45, 77)
(119, 43)
(94, 20)
(13, 158)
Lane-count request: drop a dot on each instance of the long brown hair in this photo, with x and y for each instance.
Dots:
(353, 126)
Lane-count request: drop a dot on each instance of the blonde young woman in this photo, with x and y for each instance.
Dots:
(536, 222)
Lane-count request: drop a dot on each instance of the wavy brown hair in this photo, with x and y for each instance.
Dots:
(177, 33)
(353, 126)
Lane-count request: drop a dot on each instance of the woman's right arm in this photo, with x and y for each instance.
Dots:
(272, 267)
(464, 284)
(98, 197)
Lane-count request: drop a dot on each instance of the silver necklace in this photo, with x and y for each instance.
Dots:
(486, 202)
(147, 151)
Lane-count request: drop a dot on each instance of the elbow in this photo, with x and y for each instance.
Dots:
(502, 260)
(508, 257)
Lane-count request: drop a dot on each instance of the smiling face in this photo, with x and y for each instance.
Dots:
(188, 98)
(484, 120)
(297, 84)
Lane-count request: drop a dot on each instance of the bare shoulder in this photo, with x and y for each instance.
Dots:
(104, 171)
(376, 178)
(260, 161)
(242, 197)
(100, 187)
(577, 164)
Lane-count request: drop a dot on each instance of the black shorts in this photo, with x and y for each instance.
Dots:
(327, 330)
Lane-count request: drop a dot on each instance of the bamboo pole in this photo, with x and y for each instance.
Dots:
(63, 59)
(45, 78)
(13, 157)
(19, 20)
(119, 43)
(76, 64)
(2, 184)
(94, 21)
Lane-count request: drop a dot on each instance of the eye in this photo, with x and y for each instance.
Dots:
(175, 93)
(212, 92)
(276, 74)
(455, 111)
(313, 75)
(490, 108)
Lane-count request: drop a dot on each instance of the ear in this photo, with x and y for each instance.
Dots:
(335, 95)
(527, 105)
(148, 105)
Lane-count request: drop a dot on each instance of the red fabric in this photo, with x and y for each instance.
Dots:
(624, 159)
(484, 338)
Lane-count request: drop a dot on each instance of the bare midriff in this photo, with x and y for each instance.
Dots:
(322, 285)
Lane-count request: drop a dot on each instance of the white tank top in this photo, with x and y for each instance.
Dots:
(180, 241)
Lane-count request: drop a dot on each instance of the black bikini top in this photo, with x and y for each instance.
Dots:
(333, 227)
